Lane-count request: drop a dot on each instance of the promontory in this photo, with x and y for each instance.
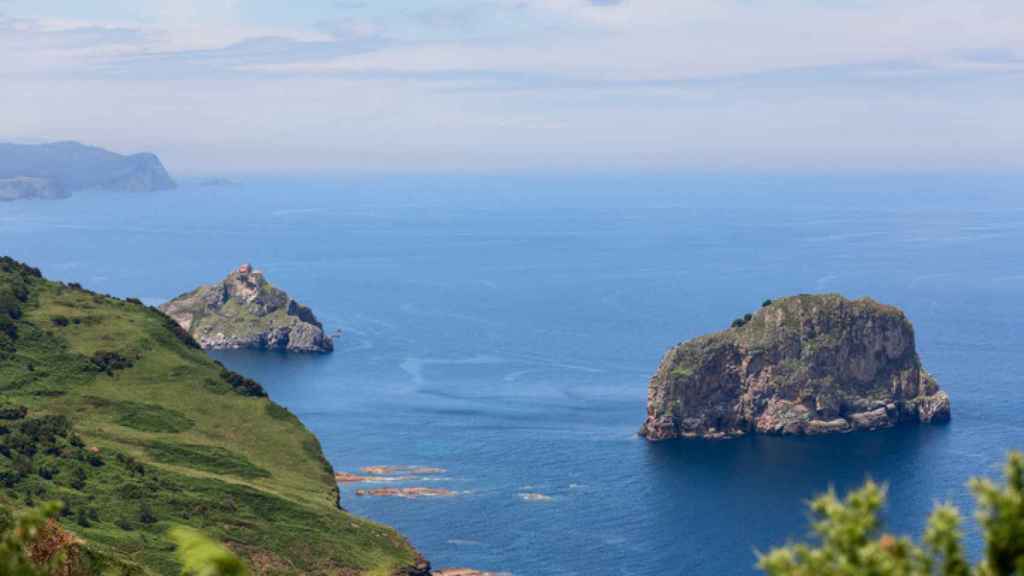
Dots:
(245, 311)
(56, 169)
(807, 364)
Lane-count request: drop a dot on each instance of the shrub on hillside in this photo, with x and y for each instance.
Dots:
(110, 361)
(241, 384)
(12, 411)
(25, 547)
(10, 304)
(14, 291)
(46, 429)
(11, 266)
(180, 333)
(853, 542)
(8, 327)
(146, 514)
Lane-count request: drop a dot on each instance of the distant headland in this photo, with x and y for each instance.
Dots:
(808, 364)
(51, 171)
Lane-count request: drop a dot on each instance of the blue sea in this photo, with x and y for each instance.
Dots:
(504, 328)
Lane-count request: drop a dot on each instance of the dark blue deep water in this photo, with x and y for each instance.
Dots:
(504, 328)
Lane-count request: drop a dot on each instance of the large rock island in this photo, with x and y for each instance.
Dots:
(246, 311)
(55, 170)
(808, 364)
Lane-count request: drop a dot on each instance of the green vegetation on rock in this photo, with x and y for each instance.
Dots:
(807, 364)
(245, 311)
(136, 430)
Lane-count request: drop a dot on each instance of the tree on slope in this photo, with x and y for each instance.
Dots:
(852, 541)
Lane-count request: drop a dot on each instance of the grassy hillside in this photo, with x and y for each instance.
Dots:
(108, 406)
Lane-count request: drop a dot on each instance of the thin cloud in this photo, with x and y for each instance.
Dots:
(527, 83)
(261, 50)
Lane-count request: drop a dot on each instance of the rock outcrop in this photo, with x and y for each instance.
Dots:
(54, 170)
(245, 311)
(808, 364)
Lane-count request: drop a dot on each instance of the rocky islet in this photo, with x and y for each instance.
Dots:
(807, 364)
(245, 311)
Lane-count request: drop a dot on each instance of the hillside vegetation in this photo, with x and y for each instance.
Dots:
(109, 407)
(851, 540)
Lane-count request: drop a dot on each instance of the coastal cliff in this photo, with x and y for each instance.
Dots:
(808, 364)
(109, 407)
(55, 170)
(245, 311)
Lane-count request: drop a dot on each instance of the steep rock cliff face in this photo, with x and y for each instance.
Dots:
(246, 311)
(135, 173)
(808, 364)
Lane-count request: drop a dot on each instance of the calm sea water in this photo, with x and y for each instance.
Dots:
(504, 328)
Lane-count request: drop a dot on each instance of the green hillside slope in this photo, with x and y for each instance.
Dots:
(108, 406)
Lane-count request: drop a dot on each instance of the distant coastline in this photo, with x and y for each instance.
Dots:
(55, 170)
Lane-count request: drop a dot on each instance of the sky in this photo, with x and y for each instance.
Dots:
(522, 85)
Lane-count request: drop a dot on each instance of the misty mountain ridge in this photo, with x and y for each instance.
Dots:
(56, 169)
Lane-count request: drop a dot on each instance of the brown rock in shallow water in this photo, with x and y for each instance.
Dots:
(415, 492)
(387, 474)
(809, 364)
(402, 469)
(349, 478)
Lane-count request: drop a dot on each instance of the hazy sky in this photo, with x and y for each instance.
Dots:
(341, 85)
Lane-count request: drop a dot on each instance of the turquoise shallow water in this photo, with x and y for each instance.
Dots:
(504, 328)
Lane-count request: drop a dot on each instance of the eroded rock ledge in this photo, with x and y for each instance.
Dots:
(808, 364)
